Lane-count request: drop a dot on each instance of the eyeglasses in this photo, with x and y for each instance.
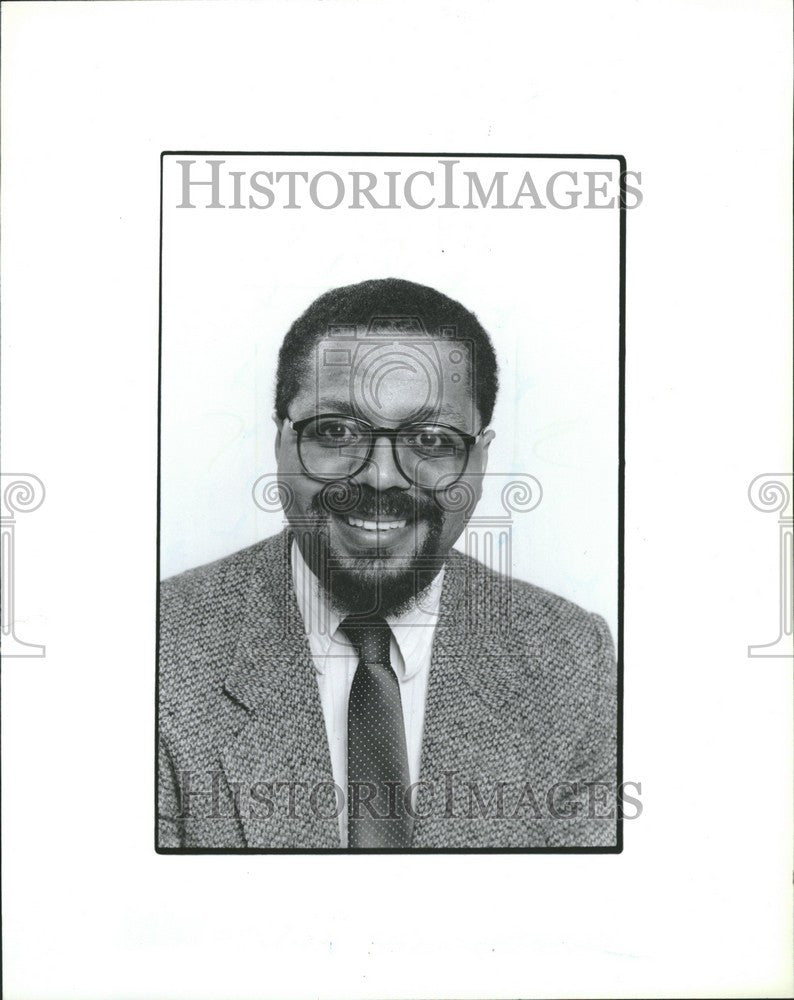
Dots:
(335, 446)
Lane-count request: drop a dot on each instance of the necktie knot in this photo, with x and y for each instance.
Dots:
(370, 636)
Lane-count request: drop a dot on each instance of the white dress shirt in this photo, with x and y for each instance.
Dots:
(335, 662)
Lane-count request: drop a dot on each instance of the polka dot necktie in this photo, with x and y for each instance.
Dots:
(377, 758)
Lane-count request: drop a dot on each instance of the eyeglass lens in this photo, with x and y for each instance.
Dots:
(338, 447)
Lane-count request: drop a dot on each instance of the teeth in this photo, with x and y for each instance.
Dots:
(357, 522)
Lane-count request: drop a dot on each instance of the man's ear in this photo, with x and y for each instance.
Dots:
(487, 437)
(277, 444)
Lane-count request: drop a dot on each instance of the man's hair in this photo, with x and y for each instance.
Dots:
(393, 301)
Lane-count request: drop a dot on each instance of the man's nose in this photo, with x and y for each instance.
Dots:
(381, 471)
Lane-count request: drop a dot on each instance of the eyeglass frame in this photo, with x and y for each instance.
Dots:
(378, 432)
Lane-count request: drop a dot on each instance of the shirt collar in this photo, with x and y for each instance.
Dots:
(413, 630)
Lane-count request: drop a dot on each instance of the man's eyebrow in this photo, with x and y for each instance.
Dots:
(428, 414)
(329, 404)
(438, 414)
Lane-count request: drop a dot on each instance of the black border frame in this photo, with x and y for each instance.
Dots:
(280, 851)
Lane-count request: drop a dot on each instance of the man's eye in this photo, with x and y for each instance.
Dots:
(335, 432)
(429, 440)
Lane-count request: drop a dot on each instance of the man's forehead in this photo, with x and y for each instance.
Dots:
(350, 340)
(407, 376)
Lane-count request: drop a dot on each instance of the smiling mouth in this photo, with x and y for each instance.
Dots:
(381, 524)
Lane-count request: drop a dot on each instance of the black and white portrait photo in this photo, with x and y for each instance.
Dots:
(380, 670)
(397, 508)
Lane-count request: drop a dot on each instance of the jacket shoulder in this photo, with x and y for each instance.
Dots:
(538, 617)
(213, 582)
(201, 611)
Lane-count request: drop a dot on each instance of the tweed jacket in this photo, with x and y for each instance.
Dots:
(519, 736)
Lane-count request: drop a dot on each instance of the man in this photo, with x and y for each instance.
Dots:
(354, 681)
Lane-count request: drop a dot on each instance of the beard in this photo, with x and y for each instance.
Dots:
(377, 583)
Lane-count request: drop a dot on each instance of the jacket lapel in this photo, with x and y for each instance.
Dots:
(283, 739)
(478, 745)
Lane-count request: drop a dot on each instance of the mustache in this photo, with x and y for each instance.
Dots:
(361, 500)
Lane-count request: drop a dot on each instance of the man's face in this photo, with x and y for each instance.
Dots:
(375, 538)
